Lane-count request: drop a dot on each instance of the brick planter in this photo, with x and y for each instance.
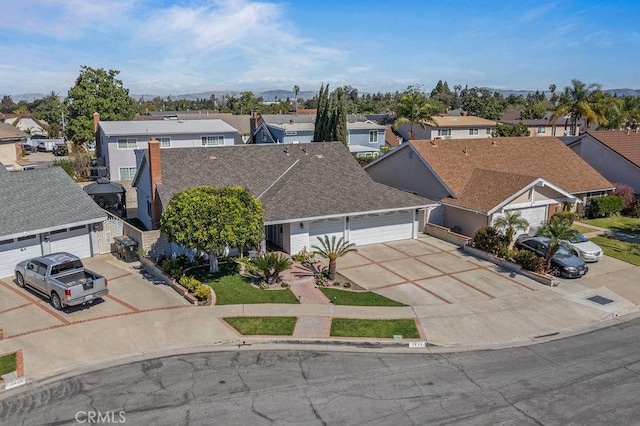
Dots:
(153, 269)
(503, 263)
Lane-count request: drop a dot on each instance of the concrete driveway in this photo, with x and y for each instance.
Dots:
(23, 311)
(428, 271)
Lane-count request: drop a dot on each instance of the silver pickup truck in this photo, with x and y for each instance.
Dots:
(62, 278)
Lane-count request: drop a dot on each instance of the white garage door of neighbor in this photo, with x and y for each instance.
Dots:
(74, 240)
(536, 216)
(13, 252)
(329, 227)
(380, 228)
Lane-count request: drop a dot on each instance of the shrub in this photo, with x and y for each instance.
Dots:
(202, 292)
(627, 193)
(506, 253)
(489, 239)
(530, 261)
(172, 268)
(635, 210)
(605, 206)
(190, 283)
(67, 166)
(336, 284)
(569, 217)
(347, 285)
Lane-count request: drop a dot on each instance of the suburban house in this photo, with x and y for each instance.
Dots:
(365, 138)
(44, 211)
(11, 148)
(116, 141)
(475, 182)
(613, 153)
(306, 190)
(239, 122)
(27, 123)
(449, 127)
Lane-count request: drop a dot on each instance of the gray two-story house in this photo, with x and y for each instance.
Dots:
(118, 140)
(365, 138)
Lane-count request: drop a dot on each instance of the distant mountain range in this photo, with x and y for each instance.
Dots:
(278, 95)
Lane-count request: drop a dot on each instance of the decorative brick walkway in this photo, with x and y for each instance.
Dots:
(303, 284)
(312, 328)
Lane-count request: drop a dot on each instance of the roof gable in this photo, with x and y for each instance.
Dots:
(625, 144)
(455, 160)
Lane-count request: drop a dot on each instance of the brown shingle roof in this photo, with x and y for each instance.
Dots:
(11, 133)
(460, 121)
(292, 181)
(391, 138)
(456, 160)
(626, 145)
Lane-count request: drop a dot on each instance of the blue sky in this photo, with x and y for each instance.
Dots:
(176, 47)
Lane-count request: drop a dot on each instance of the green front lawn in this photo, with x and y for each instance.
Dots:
(624, 224)
(346, 327)
(357, 298)
(582, 229)
(8, 364)
(621, 250)
(271, 326)
(235, 289)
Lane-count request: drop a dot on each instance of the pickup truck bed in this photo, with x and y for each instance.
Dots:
(80, 277)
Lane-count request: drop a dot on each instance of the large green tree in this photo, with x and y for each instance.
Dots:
(580, 102)
(511, 130)
(414, 108)
(213, 219)
(50, 109)
(331, 118)
(480, 102)
(96, 90)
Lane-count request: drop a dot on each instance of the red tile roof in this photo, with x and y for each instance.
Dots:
(466, 166)
(625, 144)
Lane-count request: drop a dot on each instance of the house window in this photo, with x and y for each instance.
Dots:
(542, 129)
(473, 131)
(444, 132)
(264, 136)
(212, 140)
(164, 142)
(290, 132)
(6, 242)
(489, 131)
(127, 173)
(373, 136)
(75, 228)
(28, 237)
(127, 143)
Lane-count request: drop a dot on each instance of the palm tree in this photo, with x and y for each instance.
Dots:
(296, 90)
(413, 108)
(332, 250)
(271, 265)
(580, 102)
(556, 230)
(511, 222)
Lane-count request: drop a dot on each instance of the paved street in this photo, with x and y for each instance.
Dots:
(590, 379)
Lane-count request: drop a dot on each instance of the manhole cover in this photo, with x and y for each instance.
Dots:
(600, 300)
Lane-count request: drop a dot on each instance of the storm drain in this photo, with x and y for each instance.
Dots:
(600, 300)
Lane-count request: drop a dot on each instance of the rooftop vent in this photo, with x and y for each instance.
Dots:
(213, 157)
(319, 156)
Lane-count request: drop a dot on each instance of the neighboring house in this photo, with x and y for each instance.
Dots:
(11, 148)
(239, 122)
(477, 181)
(544, 126)
(27, 123)
(306, 190)
(449, 127)
(613, 153)
(44, 211)
(364, 138)
(117, 140)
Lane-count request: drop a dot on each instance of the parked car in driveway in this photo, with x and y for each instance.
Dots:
(563, 262)
(583, 248)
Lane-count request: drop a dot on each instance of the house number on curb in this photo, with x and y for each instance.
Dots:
(15, 383)
(417, 345)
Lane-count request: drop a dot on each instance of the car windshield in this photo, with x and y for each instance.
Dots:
(579, 238)
(563, 252)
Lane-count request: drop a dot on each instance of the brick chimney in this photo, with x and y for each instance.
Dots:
(19, 157)
(155, 177)
(96, 134)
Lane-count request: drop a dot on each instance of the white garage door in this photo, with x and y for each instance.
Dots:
(379, 228)
(536, 216)
(14, 251)
(74, 240)
(329, 227)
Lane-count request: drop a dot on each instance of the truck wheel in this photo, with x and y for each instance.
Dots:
(20, 280)
(55, 301)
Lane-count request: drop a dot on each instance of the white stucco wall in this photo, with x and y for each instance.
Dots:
(612, 166)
